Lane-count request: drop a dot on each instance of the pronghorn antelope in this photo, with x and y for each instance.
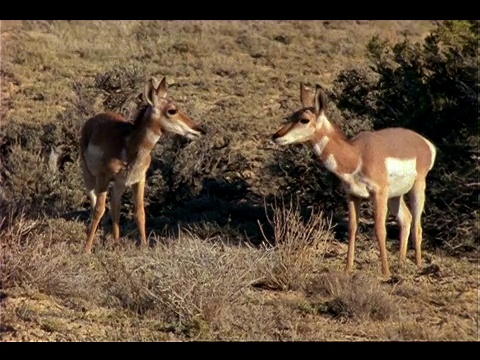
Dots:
(381, 166)
(114, 149)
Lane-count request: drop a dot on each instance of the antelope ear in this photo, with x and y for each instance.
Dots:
(162, 88)
(139, 98)
(320, 100)
(306, 96)
(148, 94)
(155, 82)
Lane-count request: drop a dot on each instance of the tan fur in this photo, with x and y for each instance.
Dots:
(381, 166)
(114, 149)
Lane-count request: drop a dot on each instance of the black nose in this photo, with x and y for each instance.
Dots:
(275, 136)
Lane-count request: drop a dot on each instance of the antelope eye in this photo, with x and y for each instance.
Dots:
(304, 121)
(171, 111)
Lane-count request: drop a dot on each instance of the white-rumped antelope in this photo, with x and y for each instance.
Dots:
(381, 166)
(115, 149)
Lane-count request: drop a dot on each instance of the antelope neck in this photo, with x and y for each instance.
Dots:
(143, 139)
(337, 155)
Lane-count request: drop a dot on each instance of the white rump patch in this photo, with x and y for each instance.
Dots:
(401, 175)
(94, 151)
(93, 158)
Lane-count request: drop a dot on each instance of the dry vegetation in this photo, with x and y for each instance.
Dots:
(230, 258)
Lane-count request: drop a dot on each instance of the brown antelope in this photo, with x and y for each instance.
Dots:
(114, 149)
(381, 166)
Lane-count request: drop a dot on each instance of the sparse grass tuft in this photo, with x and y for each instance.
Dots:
(299, 243)
(185, 282)
(32, 257)
(356, 296)
(188, 284)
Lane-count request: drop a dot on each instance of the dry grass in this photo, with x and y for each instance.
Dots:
(356, 296)
(299, 245)
(228, 260)
(188, 288)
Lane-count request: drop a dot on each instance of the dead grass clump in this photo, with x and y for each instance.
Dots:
(31, 260)
(189, 283)
(414, 330)
(357, 297)
(299, 243)
(417, 330)
(406, 290)
(410, 331)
